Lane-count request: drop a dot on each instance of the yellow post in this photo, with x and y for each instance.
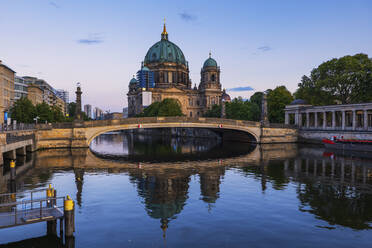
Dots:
(69, 209)
(13, 173)
(52, 224)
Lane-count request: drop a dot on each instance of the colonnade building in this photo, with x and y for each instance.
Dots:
(346, 117)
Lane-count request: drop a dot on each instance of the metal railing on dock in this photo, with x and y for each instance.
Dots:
(30, 211)
(34, 206)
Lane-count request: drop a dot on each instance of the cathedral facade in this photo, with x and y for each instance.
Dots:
(165, 74)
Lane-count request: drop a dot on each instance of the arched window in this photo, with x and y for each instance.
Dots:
(213, 78)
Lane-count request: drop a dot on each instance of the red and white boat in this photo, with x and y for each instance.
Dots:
(348, 144)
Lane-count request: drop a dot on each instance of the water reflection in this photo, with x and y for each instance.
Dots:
(334, 188)
(155, 146)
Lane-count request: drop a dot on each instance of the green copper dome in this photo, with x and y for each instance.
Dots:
(133, 81)
(165, 51)
(210, 62)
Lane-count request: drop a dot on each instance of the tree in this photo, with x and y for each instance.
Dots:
(277, 99)
(346, 80)
(71, 109)
(44, 112)
(215, 111)
(57, 114)
(23, 111)
(167, 107)
(239, 109)
(256, 100)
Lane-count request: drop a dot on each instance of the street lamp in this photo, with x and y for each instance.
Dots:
(36, 118)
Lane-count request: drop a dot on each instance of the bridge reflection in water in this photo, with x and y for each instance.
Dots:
(336, 188)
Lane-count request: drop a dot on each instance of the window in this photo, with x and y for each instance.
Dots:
(190, 114)
(170, 77)
(165, 77)
(213, 77)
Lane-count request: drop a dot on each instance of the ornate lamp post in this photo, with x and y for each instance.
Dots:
(264, 117)
(78, 115)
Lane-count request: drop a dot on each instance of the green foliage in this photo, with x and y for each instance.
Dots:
(44, 112)
(345, 80)
(251, 110)
(23, 111)
(215, 111)
(71, 109)
(277, 99)
(167, 107)
(57, 114)
(239, 109)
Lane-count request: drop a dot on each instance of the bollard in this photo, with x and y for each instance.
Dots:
(69, 209)
(13, 173)
(52, 224)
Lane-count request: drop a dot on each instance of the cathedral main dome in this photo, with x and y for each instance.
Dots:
(165, 51)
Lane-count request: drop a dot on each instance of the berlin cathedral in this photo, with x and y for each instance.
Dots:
(165, 74)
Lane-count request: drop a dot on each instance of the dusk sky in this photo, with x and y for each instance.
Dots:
(257, 44)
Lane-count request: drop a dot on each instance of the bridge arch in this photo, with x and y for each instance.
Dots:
(229, 130)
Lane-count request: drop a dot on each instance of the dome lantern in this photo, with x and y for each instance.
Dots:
(164, 34)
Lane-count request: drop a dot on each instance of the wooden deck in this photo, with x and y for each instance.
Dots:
(17, 212)
(23, 217)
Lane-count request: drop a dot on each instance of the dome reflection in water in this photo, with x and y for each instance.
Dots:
(275, 195)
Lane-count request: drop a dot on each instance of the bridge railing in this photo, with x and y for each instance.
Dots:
(17, 127)
(144, 120)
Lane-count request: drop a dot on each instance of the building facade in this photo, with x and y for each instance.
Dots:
(165, 74)
(98, 113)
(20, 88)
(49, 95)
(34, 94)
(7, 76)
(64, 95)
(88, 110)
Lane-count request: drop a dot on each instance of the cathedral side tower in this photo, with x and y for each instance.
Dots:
(210, 86)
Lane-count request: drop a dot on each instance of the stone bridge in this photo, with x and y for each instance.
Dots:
(80, 134)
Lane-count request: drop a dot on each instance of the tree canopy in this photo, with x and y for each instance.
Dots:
(167, 107)
(24, 112)
(277, 99)
(344, 80)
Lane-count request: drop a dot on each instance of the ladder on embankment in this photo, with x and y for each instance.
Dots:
(42, 205)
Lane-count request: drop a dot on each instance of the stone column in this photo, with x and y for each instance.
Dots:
(354, 119)
(78, 115)
(264, 113)
(333, 119)
(343, 121)
(365, 119)
(324, 120)
(307, 119)
(286, 118)
(315, 119)
(299, 119)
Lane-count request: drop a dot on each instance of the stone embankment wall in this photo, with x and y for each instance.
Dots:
(316, 136)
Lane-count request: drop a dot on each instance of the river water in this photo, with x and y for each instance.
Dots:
(138, 190)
